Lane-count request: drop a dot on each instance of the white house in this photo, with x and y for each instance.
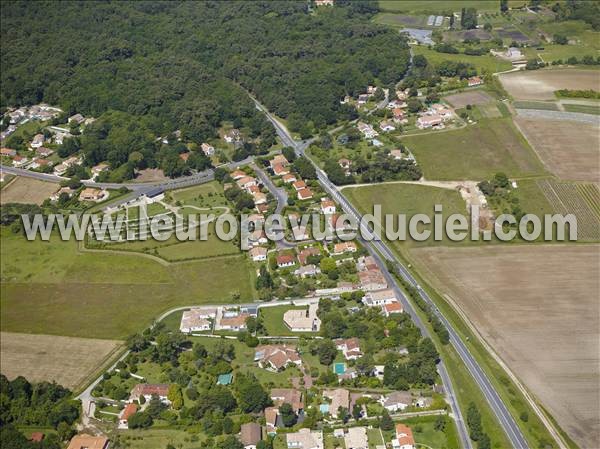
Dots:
(396, 401)
(208, 149)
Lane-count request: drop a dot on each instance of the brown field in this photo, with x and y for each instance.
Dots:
(570, 150)
(67, 360)
(27, 190)
(538, 308)
(150, 175)
(472, 97)
(541, 84)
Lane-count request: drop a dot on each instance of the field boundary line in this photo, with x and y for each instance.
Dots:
(9, 182)
(106, 361)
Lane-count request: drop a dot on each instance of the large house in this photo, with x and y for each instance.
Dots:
(344, 247)
(285, 260)
(250, 435)
(91, 194)
(379, 298)
(276, 357)
(148, 390)
(371, 280)
(258, 254)
(356, 438)
(305, 439)
(350, 347)
(38, 141)
(367, 130)
(196, 320)
(208, 149)
(290, 396)
(303, 320)
(404, 437)
(340, 397)
(429, 121)
(396, 401)
(232, 319)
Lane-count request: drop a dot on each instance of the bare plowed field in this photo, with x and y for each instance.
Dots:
(462, 99)
(541, 84)
(27, 190)
(538, 308)
(67, 360)
(570, 150)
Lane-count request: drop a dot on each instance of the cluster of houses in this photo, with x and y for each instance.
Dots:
(435, 117)
(22, 115)
(251, 185)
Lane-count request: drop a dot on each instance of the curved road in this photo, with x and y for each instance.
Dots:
(380, 251)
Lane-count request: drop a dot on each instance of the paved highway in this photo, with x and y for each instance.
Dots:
(380, 250)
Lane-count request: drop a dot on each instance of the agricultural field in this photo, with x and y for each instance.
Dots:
(592, 108)
(475, 152)
(483, 63)
(102, 294)
(68, 361)
(541, 84)
(27, 190)
(159, 438)
(584, 41)
(581, 200)
(523, 300)
(472, 97)
(440, 6)
(569, 149)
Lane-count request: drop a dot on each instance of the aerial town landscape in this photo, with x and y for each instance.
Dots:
(363, 127)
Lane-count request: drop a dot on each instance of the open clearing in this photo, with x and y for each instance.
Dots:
(541, 84)
(66, 360)
(53, 288)
(538, 308)
(483, 63)
(462, 99)
(476, 152)
(570, 150)
(27, 190)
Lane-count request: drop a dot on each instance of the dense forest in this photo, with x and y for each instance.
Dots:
(187, 65)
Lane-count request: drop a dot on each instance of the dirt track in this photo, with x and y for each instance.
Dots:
(538, 308)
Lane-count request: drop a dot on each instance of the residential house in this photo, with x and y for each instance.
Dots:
(404, 437)
(43, 151)
(429, 121)
(37, 437)
(276, 357)
(280, 170)
(66, 190)
(195, 320)
(396, 401)
(474, 81)
(303, 320)
(442, 111)
(285, 260)
(362, 99)
(130, 409)
(356, 438)
(379, 298)
(350, 347)
(279, 159)
(250, 435)
(288, 178)
(305, 253)
(59, 137)
(9, 152)
(231, 319)
(184, 156)
(300, 233)
(20, 161)
(340, 397)
(397, 154)
(327, 206)
(367, 130)
(259, 197)
(305, 194)
(38, 163)
(387, 126)
(307, 270)
(149, 390)
(60, 169)
(324, 2)
(237, 175)
(208, 149)
(246, 182)
(97, 169)
(299, 185)
(423, 402)
(38, 141)
(399, 115)
(372, 280)
(257, 237)
(291, 396)
(305, 439)
(392, 308)
(258, 254)
(91, 194)
(345, 163)
(77, 118)
(85, 441)
(271, 420)
(344, 247)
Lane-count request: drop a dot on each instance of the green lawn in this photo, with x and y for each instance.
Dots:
(487, 63)
(476, 152)
(203, 195)
(52, 288)
(425, 433)
(583, 108)
(408, 199)
(159, 438)
(440, 6)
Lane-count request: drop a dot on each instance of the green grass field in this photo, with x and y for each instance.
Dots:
(476, 152)
(484, 63)
(440, 6)
(408, 199)
(159, 438)
(204, 195)
(52, 288)
(540, 105)
(583, 108)
(273, 320)
(587, 41)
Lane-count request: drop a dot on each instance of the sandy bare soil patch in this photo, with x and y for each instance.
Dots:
(570, 150)
(67, 360)
(464, 98)
(150, 175)
(538, 308)
(541, 84)
(27, 190)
